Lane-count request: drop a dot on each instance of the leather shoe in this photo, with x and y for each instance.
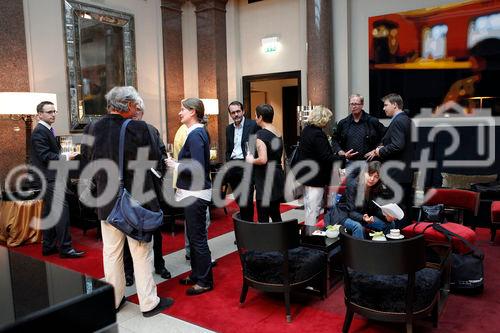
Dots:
(129, 280)
(164, 303)
(164, 273)
(49, 252)
(197, 290)
(187, 282)
(72, 254)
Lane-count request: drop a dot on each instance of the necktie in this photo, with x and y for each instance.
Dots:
(52, 131)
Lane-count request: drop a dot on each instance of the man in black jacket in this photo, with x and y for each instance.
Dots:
(237, 134)
(358, 133)
(396, 145)
(122, 104)
(159, 262)
(45, 148)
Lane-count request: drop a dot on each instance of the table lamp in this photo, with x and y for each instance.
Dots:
(22, 105)
(212, 110)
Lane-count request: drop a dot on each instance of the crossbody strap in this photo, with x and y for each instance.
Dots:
(121, 148)
(475, 250)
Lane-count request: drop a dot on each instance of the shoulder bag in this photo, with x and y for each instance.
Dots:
(467, 272)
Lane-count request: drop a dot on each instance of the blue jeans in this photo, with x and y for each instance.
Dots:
(357, 231)
(379, 225)
(355, 228)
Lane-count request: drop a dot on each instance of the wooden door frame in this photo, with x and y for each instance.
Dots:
(248, 79)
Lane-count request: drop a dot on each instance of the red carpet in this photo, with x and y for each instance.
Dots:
(91, 264)
(219, 310)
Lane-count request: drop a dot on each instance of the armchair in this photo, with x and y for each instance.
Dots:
(454, 200)
(388, 281)
(273, 261)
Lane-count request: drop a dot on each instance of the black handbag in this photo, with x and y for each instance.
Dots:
(293, 190)
(467, 271)
(127, 214)
(434, 213)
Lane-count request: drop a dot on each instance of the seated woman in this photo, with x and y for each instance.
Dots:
(356, 210)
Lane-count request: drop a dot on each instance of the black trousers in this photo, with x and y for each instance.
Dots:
(159, 262)
(234, 178)
(196, 229)
(59, 235)
(272, 211)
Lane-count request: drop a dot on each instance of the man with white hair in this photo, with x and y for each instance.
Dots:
(121, 105)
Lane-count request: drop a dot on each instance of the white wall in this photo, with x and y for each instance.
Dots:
(283, 18)
(351, 72)
(46, 54)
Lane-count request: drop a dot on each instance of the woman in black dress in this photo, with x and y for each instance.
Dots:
(268, 172)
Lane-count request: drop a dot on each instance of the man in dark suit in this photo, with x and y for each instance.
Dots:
(396, 145)
(122, 104)
(45, 148)
(159, 262)
(237, 134)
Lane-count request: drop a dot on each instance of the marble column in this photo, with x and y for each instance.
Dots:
(319, 52)
(171, 14)
(212, 64)
(13, 77)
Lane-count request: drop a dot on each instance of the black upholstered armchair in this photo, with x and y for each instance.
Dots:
(273, 260)
(388, 281)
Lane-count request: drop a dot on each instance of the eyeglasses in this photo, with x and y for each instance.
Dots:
(354, 104)
(50, 112)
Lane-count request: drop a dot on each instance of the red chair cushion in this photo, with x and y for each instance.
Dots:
(495, 212)
(464, 199)
(432, 235)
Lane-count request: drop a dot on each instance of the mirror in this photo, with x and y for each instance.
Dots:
(100, 54)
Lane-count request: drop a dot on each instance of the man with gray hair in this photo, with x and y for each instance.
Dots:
(121, 105)
(159, 262)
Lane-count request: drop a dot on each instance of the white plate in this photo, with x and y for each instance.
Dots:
(379, 239)
(395, 237)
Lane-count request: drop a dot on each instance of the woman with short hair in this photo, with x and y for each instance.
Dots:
(314, 147)
(268, 165)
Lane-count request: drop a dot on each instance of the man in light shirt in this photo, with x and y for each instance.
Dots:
(237, 134)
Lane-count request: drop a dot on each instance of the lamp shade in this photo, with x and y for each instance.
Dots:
(23, 102)
(211, 105)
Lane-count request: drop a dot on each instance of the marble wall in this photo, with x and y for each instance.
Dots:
(13, 77)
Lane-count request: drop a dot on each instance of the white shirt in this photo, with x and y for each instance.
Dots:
(395, 115)
(238, 134)
(45, 124)
(201, 194)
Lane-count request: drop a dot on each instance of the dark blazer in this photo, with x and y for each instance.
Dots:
(347, 208)
(249, 127)
(397, 146)
(197, 148)
(44, 148)
(314, 146)
(106, 132)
